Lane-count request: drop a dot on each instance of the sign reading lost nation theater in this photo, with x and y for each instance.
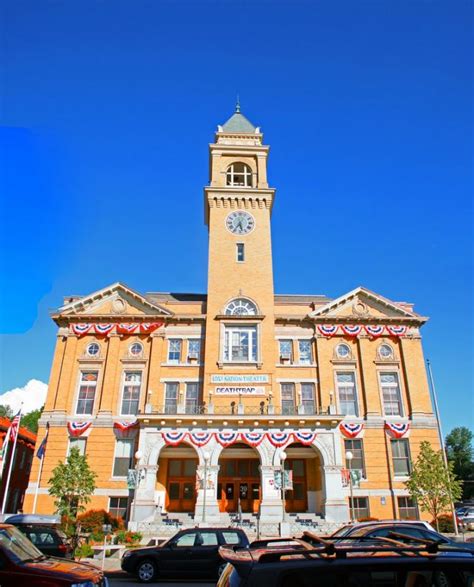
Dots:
(247, 390)
(239, 378)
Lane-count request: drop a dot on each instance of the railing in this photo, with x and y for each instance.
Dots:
(235, 409)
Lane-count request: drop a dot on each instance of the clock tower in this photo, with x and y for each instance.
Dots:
(240, 337)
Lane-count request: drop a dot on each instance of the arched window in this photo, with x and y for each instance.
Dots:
(241, 307)
(240, 175)
(385, 351)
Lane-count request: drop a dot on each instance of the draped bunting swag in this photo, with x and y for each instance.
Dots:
(354, 330)
(103, 329)
(226, 438)
(397, 430)
(77, 429)
(350, 430)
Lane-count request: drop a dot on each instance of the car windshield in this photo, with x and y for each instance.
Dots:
(342, 531)
(17, 547)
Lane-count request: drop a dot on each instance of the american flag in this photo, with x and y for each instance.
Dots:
(13, 430)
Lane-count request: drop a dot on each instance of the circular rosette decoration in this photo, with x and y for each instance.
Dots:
(227, 437)
(174, 437)
(306, 437)
(199, 438)
(278, 438)
(252, 438)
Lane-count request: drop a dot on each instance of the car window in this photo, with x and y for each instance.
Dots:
(186, 539)
(41, 538)
(208, 539)
(231, 537)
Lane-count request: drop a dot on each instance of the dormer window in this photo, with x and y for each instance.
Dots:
(239, 175)
(241, 307)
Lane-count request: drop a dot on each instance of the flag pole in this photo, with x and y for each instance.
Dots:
(37, 484)
(10, 466)
(6, 442)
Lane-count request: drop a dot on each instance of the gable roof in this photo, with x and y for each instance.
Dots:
(82, 303)
(399, 308)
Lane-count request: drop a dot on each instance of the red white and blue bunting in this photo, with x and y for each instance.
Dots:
(351, 429)
(252, 438)
(174, 438)
(227, 437)
(126, 428)
(397, 429)
(103, 329)
(279, 438)
(353, 330)
(200, 438)
(305, 437)
(77, 429)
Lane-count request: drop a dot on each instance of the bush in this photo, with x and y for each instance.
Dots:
(445, 523)
(84, 551)
(93, 520)
(130, 538)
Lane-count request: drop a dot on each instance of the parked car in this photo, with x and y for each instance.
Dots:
(466, 519)
(402, 532)
(45, 533)
(335, 565)
(349, 528)
(189, 554)
(21, 563)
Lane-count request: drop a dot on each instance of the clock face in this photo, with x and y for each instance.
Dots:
(240, 222)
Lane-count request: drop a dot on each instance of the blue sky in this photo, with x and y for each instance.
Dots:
(108, 108)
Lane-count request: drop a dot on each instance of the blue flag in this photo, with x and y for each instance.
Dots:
(42, 447)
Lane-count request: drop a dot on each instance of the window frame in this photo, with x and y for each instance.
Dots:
(114, 510)
(349, 446)
(354, 509)
(198, 340)
(177, 361)
(129, 384)
(292, 410)
(397, 442)
(195, 402)
(75, 441)
(130, 442)
(93, 355)
(305, 402)
(310, 360)
(404, 509)
(240, 302)
(282, 354)
(82, 371)
(254, 333)
(167, 408)
(140, 352)
(240, 252)
(346, 384)
(398, 387)
(246, 172)
(338, 355)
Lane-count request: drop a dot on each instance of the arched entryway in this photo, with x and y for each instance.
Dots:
(176, 478)
(307, 479)
(239, 479)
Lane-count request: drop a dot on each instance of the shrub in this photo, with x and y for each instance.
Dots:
(129, 538)
(93, 520)
(445, 523)
(84, 551)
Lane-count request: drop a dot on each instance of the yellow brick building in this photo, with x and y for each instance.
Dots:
(208, 397)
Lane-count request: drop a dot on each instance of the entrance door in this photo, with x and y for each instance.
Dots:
(296, 499)
(181, 485)
(239, 482)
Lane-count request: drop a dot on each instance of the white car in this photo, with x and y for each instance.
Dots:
(349, 528)
(466, 518)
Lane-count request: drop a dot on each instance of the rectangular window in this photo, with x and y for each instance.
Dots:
(392, 404)
(307, 398)
(407, 509)
(123, 460)
(304, 347)
(286, 350)
(118, 507)
(240, 344)
(401, 457)
(240, 252)
(194, 348)
(357, 449)
(131, 392)
(360, 507)
(79, 443)
(288, 405)
(174, 350)
(171, 398)
(86, 397)
(192, 393)
(347, 393)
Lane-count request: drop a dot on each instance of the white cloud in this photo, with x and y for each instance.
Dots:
(33, 396)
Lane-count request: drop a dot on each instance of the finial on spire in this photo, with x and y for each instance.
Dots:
(237, 105)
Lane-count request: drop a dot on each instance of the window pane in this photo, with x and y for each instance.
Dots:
(171, 398)
(288, 398)
(231, 537)
(174, 352)
(194, 346)
(189, 468)
(131, 392)
(192, 392)
(305, 351)
(240, 343)
(175, 468)
(86, 396)
(79, 443)
(209, 539)
(347, 394)
(187, 539)
(123, 457)
(286, 348)
(391, 394)
(401, 457)
(356, 448)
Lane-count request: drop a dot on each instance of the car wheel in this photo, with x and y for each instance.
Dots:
(220, 569)
(146, 571)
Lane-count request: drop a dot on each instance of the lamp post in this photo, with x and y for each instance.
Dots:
(283, 459)
(349, 457)
(206, 457)
(138, 457)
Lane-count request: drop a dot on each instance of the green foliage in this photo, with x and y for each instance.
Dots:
(430, 484)
(72, 484)
(84, 551)
(460, 453)
(6, 412)
(444, 523)
(127, 537)
(93, 520)
(30, 420)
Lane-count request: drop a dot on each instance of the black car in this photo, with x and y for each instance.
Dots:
(44, 533)
(190, 554)
(300, 563)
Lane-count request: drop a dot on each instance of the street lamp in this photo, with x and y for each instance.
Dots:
(206, 457)
(283, 456)
(349, 457)
(138, 457)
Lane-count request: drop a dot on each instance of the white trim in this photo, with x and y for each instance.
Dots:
(122, 388)
(181, 380)
(98, 387)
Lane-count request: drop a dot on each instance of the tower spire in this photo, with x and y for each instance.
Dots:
(237, 104)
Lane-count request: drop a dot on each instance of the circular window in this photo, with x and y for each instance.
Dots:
(241, 307)
(93, 349)
(385, 351)
(343, 351)
(136, 349)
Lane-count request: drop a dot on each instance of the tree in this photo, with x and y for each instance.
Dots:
(430, 484)
(460, 453)
(6, 411)
(30, 420)
(72, 484)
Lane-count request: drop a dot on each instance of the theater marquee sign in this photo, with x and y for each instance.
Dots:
(242, 379)
(244, 390)
(239, 384)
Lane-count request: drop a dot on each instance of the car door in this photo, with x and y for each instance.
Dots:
(176, 558)
(206, 557)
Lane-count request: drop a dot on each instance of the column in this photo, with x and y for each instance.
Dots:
(336, 506)
(67, 379)
(56, 370)
(210, 489)
(271, 506)
(144, 506)
(107, 392)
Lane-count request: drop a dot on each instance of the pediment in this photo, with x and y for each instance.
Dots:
(363, 304)
(115, 300)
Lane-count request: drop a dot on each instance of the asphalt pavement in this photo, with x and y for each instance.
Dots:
(125, 581)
